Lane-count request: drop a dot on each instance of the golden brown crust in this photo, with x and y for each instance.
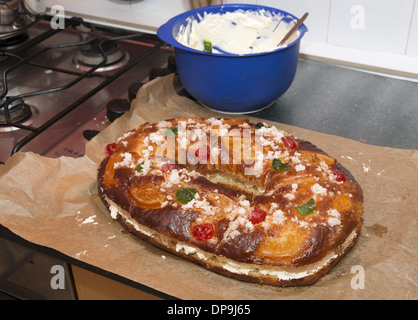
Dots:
(247, 218)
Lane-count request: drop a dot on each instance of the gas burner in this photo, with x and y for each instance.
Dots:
(10, 43)
(19, 112)
(90, 56)
(14, 18)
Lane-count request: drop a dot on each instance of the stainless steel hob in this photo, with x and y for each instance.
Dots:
(56, 82)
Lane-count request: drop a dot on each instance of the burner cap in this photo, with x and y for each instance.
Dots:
(10, 43)
(90, 53)
(92, 49)
(18, 111)
(90, 56)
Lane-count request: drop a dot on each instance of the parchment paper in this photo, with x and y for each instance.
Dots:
(54, 203)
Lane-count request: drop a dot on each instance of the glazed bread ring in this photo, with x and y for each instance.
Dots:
(245, 200)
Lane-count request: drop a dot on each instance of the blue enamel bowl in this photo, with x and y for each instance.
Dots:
(232, 83)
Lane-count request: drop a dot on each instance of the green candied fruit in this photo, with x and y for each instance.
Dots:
(207, 45)
(171, 132)
(307, 208)
(278, 165)
(185, 195)
(140, 167)
(259, 125)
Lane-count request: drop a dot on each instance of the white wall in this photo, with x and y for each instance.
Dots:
(381, 34)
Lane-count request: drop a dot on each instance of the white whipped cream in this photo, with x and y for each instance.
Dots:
(282, 273)
(239, 32)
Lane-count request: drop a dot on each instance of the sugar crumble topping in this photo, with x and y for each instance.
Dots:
(149, 159)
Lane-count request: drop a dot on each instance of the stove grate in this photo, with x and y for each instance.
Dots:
(14, 59)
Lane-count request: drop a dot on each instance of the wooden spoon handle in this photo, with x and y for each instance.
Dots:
(294, 28)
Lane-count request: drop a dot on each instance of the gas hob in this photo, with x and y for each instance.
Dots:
(57, 83)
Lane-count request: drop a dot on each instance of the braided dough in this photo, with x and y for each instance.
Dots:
(245, 200)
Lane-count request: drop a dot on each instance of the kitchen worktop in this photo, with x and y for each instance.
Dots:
(371, 108)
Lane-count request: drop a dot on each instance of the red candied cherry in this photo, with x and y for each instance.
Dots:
(339, 175)
(203, 232)
(110, 148)
(290, 143)
(168, 167)
(203, 153)
(257, 215)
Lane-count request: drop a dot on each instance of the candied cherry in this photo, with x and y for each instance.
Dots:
(110, 148)
(257, 215)
(203, 232)
(203, 153)
(168, 167)
(339, 175)
(290, 143)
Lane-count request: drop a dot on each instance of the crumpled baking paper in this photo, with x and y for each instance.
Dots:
(54, 203)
